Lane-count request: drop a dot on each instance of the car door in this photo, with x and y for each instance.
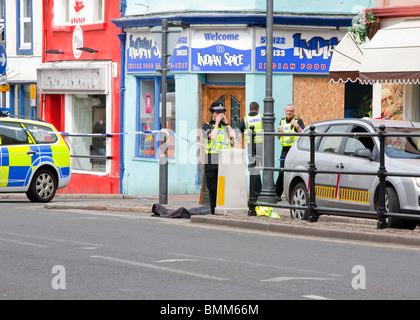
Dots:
(352, 191)
(17, 151)
(328, 149)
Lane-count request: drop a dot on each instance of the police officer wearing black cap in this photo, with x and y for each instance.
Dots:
(219, 135)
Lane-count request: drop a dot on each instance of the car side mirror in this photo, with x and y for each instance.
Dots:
(363, 153)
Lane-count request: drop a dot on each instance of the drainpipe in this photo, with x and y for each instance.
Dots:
(122, 38)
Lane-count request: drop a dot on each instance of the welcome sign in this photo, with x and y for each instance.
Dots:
(297, 51)
(143, 55)
(221, 50)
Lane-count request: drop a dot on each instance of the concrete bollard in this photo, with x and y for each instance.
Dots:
(232, 189)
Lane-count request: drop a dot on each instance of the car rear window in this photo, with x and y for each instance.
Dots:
(303, 143)
(42, 134)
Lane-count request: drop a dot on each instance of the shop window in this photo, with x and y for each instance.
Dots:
(88, 115)
(24, 27)
(68, 12)
(149, 113)
(358, 100)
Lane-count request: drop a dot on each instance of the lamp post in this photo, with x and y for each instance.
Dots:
(267, 193)
(166, 39)
(163, 156)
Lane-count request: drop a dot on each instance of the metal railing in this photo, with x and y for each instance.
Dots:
(314, 211)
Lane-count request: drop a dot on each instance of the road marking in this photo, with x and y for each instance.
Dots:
(160, 268)
(24, 243)
(314, 297)
(282, 267)
(278, 279)
(178, 260)
(51, 239)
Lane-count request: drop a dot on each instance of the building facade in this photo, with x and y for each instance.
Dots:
(220, 56)
(387, 60)
(80, 82)
(21, 27)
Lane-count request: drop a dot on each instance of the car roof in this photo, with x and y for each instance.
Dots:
(375, 123)
(38, 122)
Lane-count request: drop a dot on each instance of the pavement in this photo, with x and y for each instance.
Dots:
(336, 227)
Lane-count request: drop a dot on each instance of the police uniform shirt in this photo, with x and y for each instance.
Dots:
(212, 158)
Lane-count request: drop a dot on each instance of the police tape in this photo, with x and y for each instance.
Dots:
(102, 135)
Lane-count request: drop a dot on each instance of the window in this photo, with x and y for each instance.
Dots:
(88, 114)
(12, 133)
(304, 143)
(79, 12)
(149, 114)
(354, 143)
(332, 144)
(42, 134)
(24, 27)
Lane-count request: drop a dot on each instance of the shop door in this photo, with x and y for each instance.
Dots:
(233, 97)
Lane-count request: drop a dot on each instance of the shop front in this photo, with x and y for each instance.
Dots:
(80, 84)
(388, 61)
(217, 63)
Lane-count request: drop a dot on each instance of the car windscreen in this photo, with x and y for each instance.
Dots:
(402, 147)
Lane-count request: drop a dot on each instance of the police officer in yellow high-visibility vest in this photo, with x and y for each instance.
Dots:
(254, 118)
(288, 124)
(218, 135)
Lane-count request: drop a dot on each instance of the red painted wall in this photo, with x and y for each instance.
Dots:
(102, 37)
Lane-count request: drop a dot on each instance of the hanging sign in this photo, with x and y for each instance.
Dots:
(306, 51)
(143, 55)
(221, 50)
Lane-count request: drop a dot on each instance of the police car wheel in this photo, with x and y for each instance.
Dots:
(299, 198)
(43, 186)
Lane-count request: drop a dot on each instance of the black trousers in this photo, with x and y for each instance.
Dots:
(280, 178)
(211, 172)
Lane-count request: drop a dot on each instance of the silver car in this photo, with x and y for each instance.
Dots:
(361, 154)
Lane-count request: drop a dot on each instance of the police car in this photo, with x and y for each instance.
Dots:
(34, 159)
(357, 154)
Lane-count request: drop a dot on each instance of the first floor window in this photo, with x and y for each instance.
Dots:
(88, 115)
(24, 25)
(149, 114)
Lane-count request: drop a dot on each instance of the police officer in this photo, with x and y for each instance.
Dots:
(254, 118)
(288, 124)
(219, 135)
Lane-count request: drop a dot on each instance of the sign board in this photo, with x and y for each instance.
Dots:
(3, 59)
(143, 55)
(221, 50)
(306, 51)
(5, 88)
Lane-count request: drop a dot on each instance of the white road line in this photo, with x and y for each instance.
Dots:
(178, 260)
(50, 239)
(314, 297)
(160, 268)
(24, 243)
(278, 279)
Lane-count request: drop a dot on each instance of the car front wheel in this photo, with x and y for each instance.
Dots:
(299, 198)
(43, 186)
(392, 204)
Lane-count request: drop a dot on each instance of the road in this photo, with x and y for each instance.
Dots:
(77, 254)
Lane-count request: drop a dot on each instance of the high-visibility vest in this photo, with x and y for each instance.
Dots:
(255, 121)
(222, 140)
(287, 141)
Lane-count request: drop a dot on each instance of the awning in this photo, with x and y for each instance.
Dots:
(393, 54)
(346, 60)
